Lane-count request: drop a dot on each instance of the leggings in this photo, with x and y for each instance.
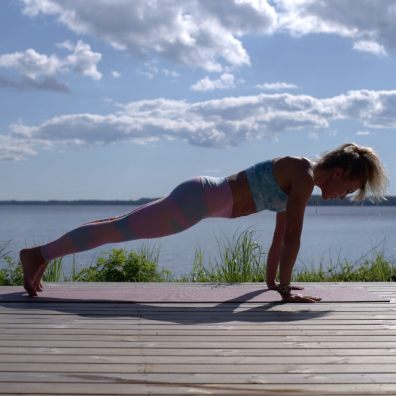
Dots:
(186, 205)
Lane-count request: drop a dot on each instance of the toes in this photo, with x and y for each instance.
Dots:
(38, 278)
(37, 283)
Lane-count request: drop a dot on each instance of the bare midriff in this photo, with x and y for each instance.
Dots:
(243, 200)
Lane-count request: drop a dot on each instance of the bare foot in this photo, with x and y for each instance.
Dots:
(32, 265)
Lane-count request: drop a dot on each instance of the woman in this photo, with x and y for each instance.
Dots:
(282, 184)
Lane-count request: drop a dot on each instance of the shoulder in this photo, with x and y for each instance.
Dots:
(300, 174)
(299, 166)
(294, 174)
(304, 167)
(303, 178)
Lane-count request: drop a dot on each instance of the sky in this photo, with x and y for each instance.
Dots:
(118, 99)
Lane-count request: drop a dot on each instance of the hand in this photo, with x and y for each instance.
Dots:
(299, 298)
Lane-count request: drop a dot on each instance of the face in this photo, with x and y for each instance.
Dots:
(339, 186)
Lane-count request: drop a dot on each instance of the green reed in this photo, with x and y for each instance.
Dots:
(240, 259)
(377, 269)
(4, 252)
(54, 271)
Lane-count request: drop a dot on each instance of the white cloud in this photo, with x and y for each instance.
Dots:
(32, 64)
(208, 34)
(369, 23)
(170, 73)
(362, 133)
(38, 71)
(152, 69)
(197, 33)
(115, 74)
(84, 61)
(14, 149)
(214, 123)
(369, 46)
(376, 109)
(226, 81)
(67, 44)
(276, 86)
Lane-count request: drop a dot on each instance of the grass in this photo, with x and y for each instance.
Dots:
(3, 250)
(240, 259)
(378, 269)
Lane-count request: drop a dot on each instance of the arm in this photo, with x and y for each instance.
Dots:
(274, 253)
(301, 189)
(291, 241)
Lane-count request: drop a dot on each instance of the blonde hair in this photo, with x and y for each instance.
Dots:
(359, 163)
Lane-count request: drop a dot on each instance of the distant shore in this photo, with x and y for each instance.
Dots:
(315, 200)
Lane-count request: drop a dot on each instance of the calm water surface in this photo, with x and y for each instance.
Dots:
(330, 233)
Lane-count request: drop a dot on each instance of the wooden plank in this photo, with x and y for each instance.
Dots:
(6, 307)
(198, 344)
(244, 327)
(194, 359)
(130, 305)
(200, 378)
(242, 339)
(196, 319)
(215, 319)
(165, 388)
(374, 331)
(206, 368)
(298, 311)
(188, 351)
(244, 313)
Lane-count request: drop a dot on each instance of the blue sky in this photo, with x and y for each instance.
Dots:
(124, 99)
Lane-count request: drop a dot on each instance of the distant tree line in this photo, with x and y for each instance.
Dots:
(315, 200)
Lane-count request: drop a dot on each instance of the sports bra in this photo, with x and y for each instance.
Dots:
(265, 190)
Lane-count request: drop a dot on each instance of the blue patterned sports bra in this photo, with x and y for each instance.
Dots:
(265, 190)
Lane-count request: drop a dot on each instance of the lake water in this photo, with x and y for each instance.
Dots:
(330, 234)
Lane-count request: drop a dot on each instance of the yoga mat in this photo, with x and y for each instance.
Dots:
(184, 293)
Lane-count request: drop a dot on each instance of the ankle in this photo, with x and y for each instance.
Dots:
(271, 285)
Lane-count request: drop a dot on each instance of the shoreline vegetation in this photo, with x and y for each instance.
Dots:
(315, 200)
(241, 259)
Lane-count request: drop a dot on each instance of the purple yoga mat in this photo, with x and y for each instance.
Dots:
(184, 293)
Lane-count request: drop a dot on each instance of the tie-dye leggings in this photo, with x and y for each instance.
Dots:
(186, 205)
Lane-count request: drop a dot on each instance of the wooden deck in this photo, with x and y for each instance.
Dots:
(82, 348)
